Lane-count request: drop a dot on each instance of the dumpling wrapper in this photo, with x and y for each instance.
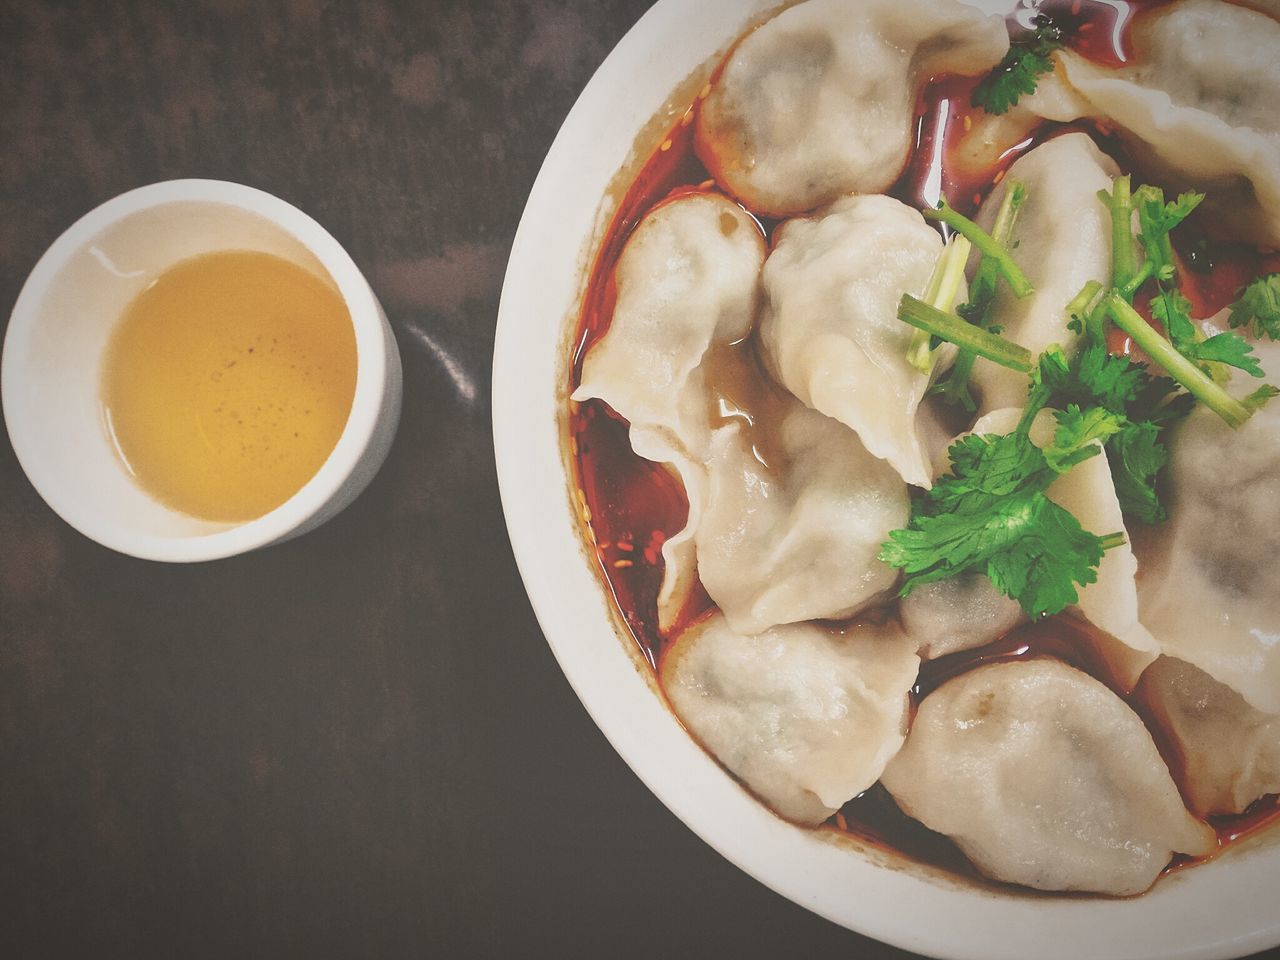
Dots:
(819, 101)
(798, 538)
(1197, 106)
(830, 329)
(1063, 240)
(957, 614)
(1088, 493)
(1230, 751)
(1209, 584)
(1044, 777)
(687, 281)
(806, 716)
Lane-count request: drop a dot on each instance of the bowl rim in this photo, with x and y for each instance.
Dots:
(372, 368)
(878, 895)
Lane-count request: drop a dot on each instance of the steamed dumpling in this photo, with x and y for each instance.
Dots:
(956, 614)
(1210, 583)
(807, 717)
(830, 327)
(1230, 751)
(1197, 105)
(1044, 777)
(1088, 493)
(796, 537)
(687, 282)
(1063, 237)
(819, 101)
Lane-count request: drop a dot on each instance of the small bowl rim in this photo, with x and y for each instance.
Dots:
(366, 401)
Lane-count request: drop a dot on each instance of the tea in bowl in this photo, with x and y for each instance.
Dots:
(196, 369)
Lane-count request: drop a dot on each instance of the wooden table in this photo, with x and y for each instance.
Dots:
(355, 744)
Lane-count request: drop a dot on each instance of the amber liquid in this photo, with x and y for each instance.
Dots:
(227, 382)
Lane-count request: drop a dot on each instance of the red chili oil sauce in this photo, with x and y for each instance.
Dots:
(631, 506)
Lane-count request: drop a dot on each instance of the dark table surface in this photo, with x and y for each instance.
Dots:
(355, 744)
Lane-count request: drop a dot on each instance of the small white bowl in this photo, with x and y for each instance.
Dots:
(1225, 908)
(50, 376)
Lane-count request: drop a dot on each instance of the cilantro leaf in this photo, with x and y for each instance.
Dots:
(1029, 58)
(1137, 456)
(1258, 399)
(1156, 220)
(1173, 310)
(1098, 376)
(1080, 435)
(991, 513)
(1259, 307)
(1042, 566)
(1227, 348)
(989, 464)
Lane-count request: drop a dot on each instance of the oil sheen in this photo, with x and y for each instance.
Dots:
(227, 383)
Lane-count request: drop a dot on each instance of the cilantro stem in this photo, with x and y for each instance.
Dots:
(944, 287)
(986, 244)
(949, 327)
(982, 293)
(1015, 195)
(1135, 282)
(1112, 540)
(1078, 309)
(1123, 257)
(1200, 385)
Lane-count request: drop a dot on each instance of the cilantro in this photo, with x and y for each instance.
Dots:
(1156, 219)
(1182, 369)
(1137, 456)
(1258, 399)
(982, 294)
(1029, 58)
(1259, 307)
(991, 514)
(1096, 380)
(1228, 349)
(1080, 435)
(1173, 311)
(1138, 452)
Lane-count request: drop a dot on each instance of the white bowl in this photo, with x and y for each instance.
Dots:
(52, 366)
(1221, 909)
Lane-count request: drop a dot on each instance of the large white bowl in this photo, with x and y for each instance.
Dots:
(1226, 908)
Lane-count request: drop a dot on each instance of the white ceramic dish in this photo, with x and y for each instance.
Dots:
(1221, 909)
(51, 372)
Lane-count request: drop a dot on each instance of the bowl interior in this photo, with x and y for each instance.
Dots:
(1221, 909)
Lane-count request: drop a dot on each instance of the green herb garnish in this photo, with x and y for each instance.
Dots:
(1028, 59)
(991, 514)
(1259, 307)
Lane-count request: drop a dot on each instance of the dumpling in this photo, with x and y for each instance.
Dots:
(806, 716)
(687, 282)
(956, 614)
(819, 101)
(1063, 237)
(1197, 106)
(1044, 777)
(792, 521)
(1230, 751)
(1209, 584)
(1088, 493)
(830, 328)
